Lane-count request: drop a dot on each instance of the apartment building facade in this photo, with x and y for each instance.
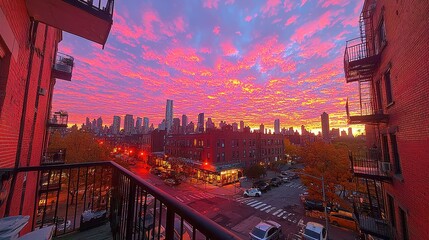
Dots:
(389, 63)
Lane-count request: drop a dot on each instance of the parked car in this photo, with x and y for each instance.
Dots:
(315, 205)
(314, 231)
(275, 182)
(252, 192)
(262, 185)
(284, 178)
(266, 230)
(343, 219)
(172, 181)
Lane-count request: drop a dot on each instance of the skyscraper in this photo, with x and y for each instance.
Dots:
(116, 125)
(277, 126)
(261, 128)
(128, 124)
(145, 125)
(184, 123)
(99, 125)
(88, 123)
(209, 124)
(241, 126)
(350, 132)
(175, 128)
(169, 115)
(234, 127)
(325, 125)
(200, 125)
(139, 123)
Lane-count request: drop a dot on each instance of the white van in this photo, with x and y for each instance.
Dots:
(314, 231)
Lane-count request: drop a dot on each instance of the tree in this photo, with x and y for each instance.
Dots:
(255, 171)
(290, 149)
(330, 161)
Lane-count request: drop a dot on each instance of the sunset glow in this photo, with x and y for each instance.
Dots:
(254, 61)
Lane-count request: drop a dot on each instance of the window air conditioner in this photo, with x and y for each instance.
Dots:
(42, 91)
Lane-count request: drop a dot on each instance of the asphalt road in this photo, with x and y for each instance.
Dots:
(230, 209)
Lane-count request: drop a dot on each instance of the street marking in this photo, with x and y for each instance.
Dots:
(251, 202)
(254, 204)
(194, 197)
(280, 214)
(257, 207)
(247, 200)
(179, 199)
(271, 209)
(265, 208)
(276, 212)
(186, 198)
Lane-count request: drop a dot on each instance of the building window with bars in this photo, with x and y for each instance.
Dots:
(404, 224)
(395, 152)
(388, 87)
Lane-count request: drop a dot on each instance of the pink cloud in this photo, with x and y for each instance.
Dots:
(210, 3)
(327, 3)
(303, 2)
(216, 30)
(310, 28)
(291, 20)
(228, 48)
(229, 2)
(316, 48)
(248, 18)
(271, 7)
(179, 23)
(288, 5)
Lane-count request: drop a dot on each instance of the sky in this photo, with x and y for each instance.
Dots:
(255, 61)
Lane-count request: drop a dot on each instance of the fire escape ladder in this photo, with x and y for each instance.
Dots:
(365, 98)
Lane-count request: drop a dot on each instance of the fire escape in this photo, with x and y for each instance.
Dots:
(371, 167)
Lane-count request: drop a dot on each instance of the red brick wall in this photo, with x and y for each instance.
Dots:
(407, 51)
(13, 90)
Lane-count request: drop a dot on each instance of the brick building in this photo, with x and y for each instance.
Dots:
(219, 156)
(389, 62)
(29, 66)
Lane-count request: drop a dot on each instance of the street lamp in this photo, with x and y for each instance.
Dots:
(324, 197)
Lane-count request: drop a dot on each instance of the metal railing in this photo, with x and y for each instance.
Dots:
(369, 163)
(99, 5)
(356, 49)
(377, 227)
(59, 118)
(82, 196)
(56, 156)
(64, 63)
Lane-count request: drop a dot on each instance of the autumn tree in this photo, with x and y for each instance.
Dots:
(331, 162)
(255, 171)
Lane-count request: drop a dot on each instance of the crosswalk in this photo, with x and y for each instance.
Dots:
(194, 197)
(267, 208)
(295, 185)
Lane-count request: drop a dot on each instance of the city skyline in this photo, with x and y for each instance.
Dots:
(266, 61)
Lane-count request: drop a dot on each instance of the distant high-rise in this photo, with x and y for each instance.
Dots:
(261, 128)
(222, 124)
(116, 125)
(200, 124)
(99, 125)
(169, 115)
(325, 125)
(94, 124)
(277, 126)
(350, 132)
(139, 123)
(335, 132)
(209, 124)
(234, 127)
(161, 126)
(303, 130)
(128, 124)
(88, 123)
(184, 123)
(145, 125)
(190, 128)
(241, 126)
(175, 128)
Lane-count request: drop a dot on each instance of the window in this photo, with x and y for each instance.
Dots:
(396, 162)
(4, 71)
(223, 157)
(404, 224)
(391, 209)
(387, 85)
(385, 148)
(381, 39)
(378, 95)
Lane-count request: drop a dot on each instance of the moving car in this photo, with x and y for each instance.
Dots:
(262, 185)
(343, 219)
(252, 192)
(172, 181)
(315, 205)
(266, 230)
(275, 182)
(314, 231)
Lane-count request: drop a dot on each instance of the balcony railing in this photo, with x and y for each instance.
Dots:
(63, 67)
(90, 19)
(58, 120)
(369, 165)
(364, 112)
(380, 228)
(57, 156)
(360, 60)
(82, 196)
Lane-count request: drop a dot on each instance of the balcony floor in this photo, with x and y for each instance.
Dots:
(99, 233)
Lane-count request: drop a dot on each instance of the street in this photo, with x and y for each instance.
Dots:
(227, 206)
